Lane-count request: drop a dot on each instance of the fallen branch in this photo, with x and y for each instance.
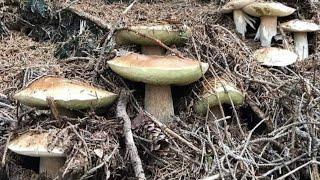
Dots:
(130, 145)
(96, 20)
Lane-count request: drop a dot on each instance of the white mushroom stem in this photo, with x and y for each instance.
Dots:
(267, 29)
(301, 44)
(51, 165)
(158, 99)
(241, 20)
(158, 102)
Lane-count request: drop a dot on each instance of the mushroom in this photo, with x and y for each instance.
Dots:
(158, 73)
(300, 29)
(65, 93)
(36, 145)
(268, 13)
(275, 56)
(218, 91)
(240, 18)
(166, 33)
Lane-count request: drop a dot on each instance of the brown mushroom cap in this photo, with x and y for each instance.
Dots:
(65, 93)
(297, 25)
(235, 4)
(35, 144)
(158, 70)
(276, 9)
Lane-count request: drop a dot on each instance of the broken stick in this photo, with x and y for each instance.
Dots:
(130, 145)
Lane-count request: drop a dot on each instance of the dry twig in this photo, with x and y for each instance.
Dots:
(130, 145)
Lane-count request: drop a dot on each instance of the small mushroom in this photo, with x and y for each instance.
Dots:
(268, 13)
(158, 73)
(240, 18)
(300, 29)
(36, 145)
(65, 93)
(168, 34)
(218, 91)
(275, 56)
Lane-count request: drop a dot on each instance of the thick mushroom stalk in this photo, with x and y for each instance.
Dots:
(266, 30)
(301, 44)
(51, 165)
(152, 50)
(241, 20)
(158, 101)
(158, 73)
(268, 13)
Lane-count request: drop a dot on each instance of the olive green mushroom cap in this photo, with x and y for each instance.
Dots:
(275, 56)
(297, 25)
(167, 33)
(218, 90)
(35, 145)
(65, 93)
(235, 4)
(259, 9)
(158, 70)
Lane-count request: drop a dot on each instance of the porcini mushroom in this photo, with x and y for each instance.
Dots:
(65, 93)
(168, 34)
(36, 145)
(240, 18)
(158, 73)
(300, 29)
(218, 91)
(268, 13)
(275, 56)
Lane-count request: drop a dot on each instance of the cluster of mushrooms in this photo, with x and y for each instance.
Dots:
(153, 67)
(158, 71)
(268, 13)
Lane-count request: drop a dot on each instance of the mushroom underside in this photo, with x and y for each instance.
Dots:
(301, 44)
